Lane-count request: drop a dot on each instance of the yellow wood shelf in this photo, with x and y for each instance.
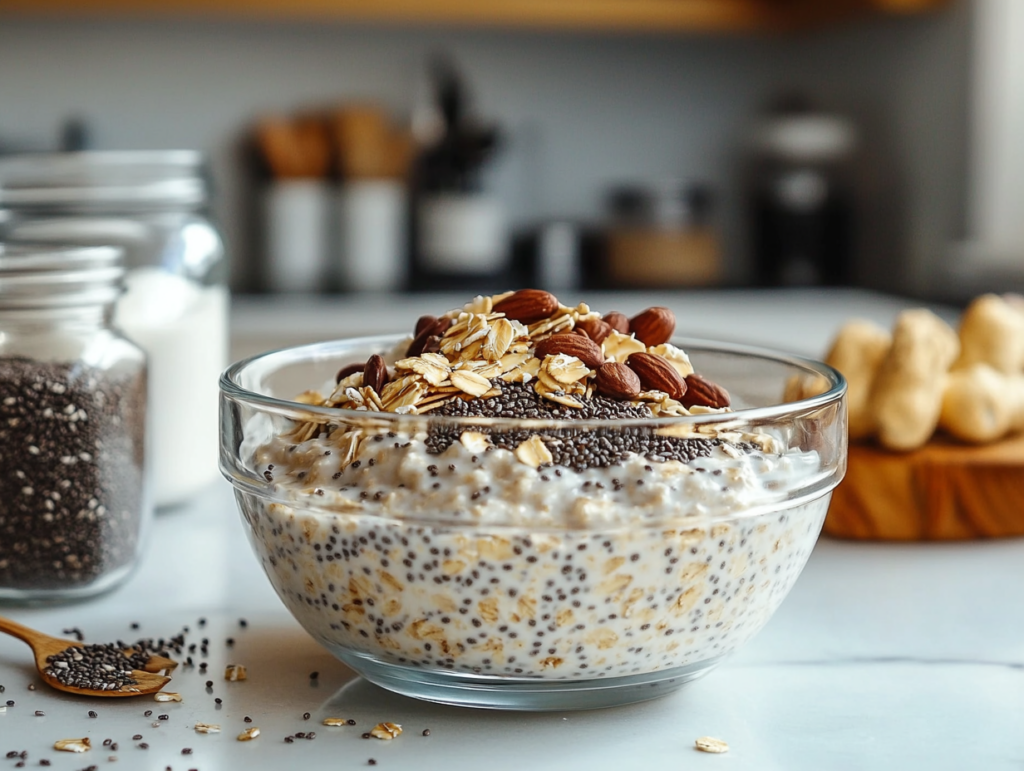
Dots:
(625, 15)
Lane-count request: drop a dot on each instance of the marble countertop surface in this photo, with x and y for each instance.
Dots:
(884, 656)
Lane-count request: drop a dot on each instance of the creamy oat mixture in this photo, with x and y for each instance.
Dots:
(557, 554)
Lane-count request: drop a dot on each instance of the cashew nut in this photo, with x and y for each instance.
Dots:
(906, 396)
(857, 352)
(992, 332)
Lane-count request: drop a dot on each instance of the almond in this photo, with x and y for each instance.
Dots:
(437, 329)
(348, 369)
(375, 373)
(617, 321)
(617, 381)
(595, 329)
(703, 393)
(657, 374)
(654, 326)
(527, 305)
(433, 344)
(583, 348)
(424, 322)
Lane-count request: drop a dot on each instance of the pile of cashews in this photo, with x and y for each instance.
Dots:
(923, 376)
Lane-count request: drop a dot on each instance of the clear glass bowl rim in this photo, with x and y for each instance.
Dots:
(756, 415)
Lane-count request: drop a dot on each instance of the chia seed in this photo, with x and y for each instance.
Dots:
(103, 667)
(71, 445)
(577, 449)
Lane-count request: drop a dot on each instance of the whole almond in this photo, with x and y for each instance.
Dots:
(702, 392)
(654, 326)
(583, 348)
(595, 329)
(438, 328)
(375, 373)
(348, 369)
(424, 322)
(617, 381)
(527, 305)
(617, 321)
(657, 374)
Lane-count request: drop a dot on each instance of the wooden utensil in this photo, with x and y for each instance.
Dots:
(944, 491)
(147, 680)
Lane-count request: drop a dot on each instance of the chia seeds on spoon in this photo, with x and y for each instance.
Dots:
(103, 667)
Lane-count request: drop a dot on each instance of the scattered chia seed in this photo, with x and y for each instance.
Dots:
(93, 713)
(305, 716)
(40, 713)
(314, 675)
(426, 732)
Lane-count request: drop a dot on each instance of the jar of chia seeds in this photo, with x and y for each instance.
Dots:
(154, 206)
(73, 497)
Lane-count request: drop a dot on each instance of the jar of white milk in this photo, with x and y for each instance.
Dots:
(154, 206)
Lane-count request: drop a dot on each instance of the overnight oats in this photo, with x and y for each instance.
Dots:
(531, 506)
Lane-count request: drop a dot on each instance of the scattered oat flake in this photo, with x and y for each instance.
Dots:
(335, 721)
(235, 673)
(207, 728)
(73, 745)
(167, 696)
(386, 731)
(710, 744)
(249, 734)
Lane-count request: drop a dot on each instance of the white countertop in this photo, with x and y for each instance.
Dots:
(883, 656)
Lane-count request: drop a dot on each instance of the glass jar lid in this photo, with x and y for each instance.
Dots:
(36, 277)
(95, 180)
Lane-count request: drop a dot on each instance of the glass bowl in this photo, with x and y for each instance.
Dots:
(429, 556)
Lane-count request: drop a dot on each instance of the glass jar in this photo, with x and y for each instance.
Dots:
(153, 205)
(73, 498)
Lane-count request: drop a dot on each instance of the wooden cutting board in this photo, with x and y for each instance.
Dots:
(944, 491)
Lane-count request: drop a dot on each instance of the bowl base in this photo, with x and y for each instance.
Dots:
(463, 689)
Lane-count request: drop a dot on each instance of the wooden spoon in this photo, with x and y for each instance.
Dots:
(147, 680)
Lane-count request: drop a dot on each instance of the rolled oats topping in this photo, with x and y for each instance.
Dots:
(710, 744)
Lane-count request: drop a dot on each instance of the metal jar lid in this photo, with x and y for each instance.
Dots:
(97, 180)
(41, 277)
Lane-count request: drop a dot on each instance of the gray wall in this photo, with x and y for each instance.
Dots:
(582, 110)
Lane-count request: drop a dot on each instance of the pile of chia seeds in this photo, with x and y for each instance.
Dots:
(103, 667)
(71, 471)
(577, 449)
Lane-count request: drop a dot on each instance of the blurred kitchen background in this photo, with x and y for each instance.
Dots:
(364, 145)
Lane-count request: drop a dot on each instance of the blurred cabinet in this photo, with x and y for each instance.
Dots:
(646, 15)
